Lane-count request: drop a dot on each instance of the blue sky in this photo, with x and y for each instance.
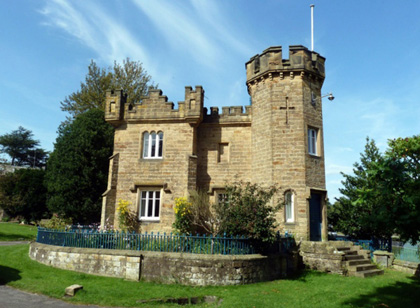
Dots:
(372, 50)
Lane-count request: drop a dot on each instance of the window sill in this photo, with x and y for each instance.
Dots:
(314, 156)
(152, 160)
(288, 223)
(150, 220)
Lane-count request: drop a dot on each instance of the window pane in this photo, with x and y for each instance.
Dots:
(289, 207)
(157, 206)
(143, 208)
(145, 144)
(160, 144)
(153, 146)
(312, 141)
(150, 208)
(222, 198)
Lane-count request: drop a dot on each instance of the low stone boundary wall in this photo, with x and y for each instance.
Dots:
(387, 259)
(165, 267)
(407, 267)
(323, 256)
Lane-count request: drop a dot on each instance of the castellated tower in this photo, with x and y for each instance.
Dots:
(287, 134)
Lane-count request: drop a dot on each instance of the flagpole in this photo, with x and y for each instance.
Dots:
(312, 26)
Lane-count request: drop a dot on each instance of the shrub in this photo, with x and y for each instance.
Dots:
(56, 222)
(183, 217)
(247, 211)
(128, 220)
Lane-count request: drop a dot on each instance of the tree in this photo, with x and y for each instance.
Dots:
(130, 76)
(23, 194)
(383, 196)
(349, 214)
(23, 148)
(78, 167)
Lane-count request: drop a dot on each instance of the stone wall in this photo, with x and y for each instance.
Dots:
(187, 269)
(387, 259)
(407, 267)
(323, 256)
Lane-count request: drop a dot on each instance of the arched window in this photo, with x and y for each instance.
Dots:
(289, 206)
(152, 145)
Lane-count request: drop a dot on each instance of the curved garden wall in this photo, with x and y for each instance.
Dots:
(166, 267)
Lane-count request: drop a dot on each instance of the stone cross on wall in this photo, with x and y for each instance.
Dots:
(287, 108)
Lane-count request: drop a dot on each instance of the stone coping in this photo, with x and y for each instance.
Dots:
(155, 254)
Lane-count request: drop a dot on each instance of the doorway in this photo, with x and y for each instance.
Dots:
(315, 217)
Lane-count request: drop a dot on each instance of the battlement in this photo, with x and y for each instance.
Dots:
(230, 114)
(154, 107)
(300, 60)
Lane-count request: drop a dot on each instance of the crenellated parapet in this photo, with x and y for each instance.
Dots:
(154, 107)
(229, 115)
(302, 63)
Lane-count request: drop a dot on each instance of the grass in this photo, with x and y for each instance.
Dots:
(15, 232)
(310, 289)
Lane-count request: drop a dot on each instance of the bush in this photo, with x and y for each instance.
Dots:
(183, 219)
(247, 211)
(128, 220)
(56, 222)
(23, 194)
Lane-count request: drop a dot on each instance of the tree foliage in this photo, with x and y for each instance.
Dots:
(246, 211)
(22, 148)
(78, 167)
(130, 76)
(23, 194)
(382, 198)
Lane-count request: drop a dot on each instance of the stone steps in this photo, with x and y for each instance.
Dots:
(370, 273)
(353, 257)
(357, 264)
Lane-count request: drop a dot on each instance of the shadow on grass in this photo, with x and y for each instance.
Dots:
(16, 237)
(302, 275)
(8, 274)
(400, 294)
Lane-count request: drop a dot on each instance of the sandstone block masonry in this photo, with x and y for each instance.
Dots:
(164, 267)
(161, 153)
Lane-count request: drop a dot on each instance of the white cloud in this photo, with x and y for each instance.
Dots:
(219, 23)
(179, 29)
(199, 29)
(94, 28)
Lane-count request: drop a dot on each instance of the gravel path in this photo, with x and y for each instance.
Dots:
(10, 243)
(13, 298)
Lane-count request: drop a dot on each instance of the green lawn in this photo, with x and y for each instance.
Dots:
(15, 232)
(310, 289)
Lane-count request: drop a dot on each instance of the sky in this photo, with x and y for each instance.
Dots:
(372, 51)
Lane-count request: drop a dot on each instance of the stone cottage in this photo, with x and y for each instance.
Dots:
(161, 153)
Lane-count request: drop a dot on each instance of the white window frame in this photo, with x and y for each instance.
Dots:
(220, 195)
(150, 139)
(154, 198)
(312, 141)
(289, 207)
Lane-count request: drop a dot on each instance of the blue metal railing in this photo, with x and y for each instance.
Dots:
(84, 237)
(406, 252)
(199, 244)
(372, 245)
